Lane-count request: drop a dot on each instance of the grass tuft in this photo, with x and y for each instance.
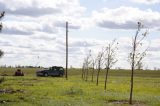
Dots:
(74, 91)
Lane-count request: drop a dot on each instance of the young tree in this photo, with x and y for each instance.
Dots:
(110, 58)
(1, 26)
(99, 63)
(135, 57)
(1, 16)
(1, 53)
(93, 67)
(83, 70)
(86, 66)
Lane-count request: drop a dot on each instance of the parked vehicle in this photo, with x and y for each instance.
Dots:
(52, 71)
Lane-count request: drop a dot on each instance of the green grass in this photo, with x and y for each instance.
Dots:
(52, 91)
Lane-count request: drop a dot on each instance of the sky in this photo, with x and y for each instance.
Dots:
(34, 30)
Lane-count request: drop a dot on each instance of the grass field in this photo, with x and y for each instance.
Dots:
(54, 91)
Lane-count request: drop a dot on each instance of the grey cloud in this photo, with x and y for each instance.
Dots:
(30, 11)
(75, 50)
(43, 37)
(48, 29)
(34, 12)
(113, 25)
(63, 25)
(5, 43)
(47, 51)
(16, 31)
(129, 24)
(23, 46)
(153, 23)
(82, 44)
(154, 49)
(20, 30)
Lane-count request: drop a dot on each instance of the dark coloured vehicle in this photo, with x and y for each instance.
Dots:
(52, 71)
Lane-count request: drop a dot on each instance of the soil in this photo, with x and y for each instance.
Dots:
(121, 102)
(10, 91)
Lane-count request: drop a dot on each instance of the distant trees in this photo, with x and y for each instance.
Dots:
(136, 56)
(110, 58)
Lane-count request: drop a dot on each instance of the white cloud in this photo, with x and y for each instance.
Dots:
(126, 18)
(30, 16)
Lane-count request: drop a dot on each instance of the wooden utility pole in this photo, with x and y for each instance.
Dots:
(66, 51)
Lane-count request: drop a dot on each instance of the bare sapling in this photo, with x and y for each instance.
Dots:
(136, 55)
(93, 68)
(83, 69)
(99, 63)
(1, 16)
(1, 53)
(110, 58)
(1, 26)
(86, 66)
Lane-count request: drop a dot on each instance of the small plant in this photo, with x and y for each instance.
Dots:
(74, 91)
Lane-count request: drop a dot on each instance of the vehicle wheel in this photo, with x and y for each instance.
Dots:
(46, 74)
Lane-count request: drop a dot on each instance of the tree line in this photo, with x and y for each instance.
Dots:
(107, 58)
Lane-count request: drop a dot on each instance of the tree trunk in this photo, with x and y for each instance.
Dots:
(133, 66)
(98, 76)
(106, 79)
(131, 90)
(87, 74)
(82, 72)
(92, 74)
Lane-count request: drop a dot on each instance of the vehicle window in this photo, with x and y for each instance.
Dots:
(61, 69)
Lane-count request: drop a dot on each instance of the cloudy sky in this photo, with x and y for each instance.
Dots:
(34, 30)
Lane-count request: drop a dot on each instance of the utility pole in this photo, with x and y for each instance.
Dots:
(66, 51)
